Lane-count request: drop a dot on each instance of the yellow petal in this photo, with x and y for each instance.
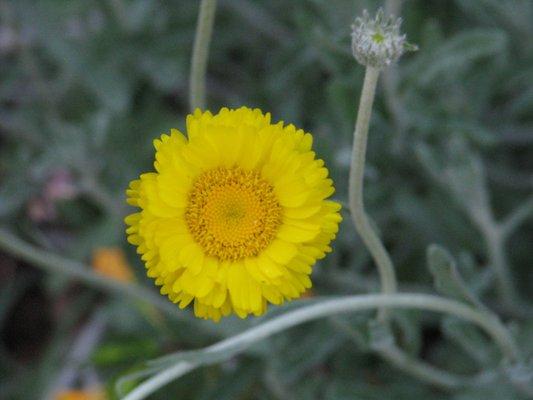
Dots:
(281, 251)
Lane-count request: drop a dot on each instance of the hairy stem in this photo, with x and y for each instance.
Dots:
(174, 367)
(204, 29)
(499, 264)
(423, 371)
(408, 363)
(517, 217)
(74, 270)
(359, 216)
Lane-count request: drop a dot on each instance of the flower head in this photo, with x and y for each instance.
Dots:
(112, 263)
(235, 216)
(90, 394)
(377, 42)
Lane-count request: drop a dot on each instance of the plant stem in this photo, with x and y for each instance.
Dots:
(74, 270)
(160, 380)
(228, 348)
(498, 262)
(391, 353)
(517, 217)
(422, 370)
(90, 186)
(407, 363)
(204, 29)
(359, 217)
(79, 354)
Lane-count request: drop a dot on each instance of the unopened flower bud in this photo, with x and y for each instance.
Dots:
(377, 42)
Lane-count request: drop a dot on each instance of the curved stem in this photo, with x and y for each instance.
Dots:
(160, 380)
(517, 217)
(359, 217)
(202, 39)
(499, 264)
(229, 347)
(74, 270)
(422, 370)
(408, 363)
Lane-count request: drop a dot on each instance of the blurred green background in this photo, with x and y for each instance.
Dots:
(86, 85)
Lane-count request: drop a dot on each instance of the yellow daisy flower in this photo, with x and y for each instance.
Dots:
(112, 263)
(235, 216)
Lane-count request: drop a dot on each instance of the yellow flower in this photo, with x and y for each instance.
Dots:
(235, 216)
(93, 394)
(111, 262)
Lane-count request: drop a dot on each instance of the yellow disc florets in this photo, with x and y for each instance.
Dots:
(232, 213)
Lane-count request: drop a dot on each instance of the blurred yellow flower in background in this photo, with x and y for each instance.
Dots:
(91, 394)
(236, 214)
(111, 262)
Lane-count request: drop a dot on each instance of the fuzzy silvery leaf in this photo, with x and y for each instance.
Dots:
(459, 170)
(355, 328)
(446, 277)
(458, 54)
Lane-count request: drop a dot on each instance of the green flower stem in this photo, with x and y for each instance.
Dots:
(359, 217)
(175, 366)
(204, 29)
(391, 353)
(74, 270)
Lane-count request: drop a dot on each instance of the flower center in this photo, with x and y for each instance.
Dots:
(378, 38)
(232, 213)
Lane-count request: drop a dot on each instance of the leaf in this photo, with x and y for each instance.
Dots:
(124, 350)
(446, 277)
(458, 54)
(459, 170)
(318, 345)
(234, 384)
(354, 327)
(410, 337)
(516, 14)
